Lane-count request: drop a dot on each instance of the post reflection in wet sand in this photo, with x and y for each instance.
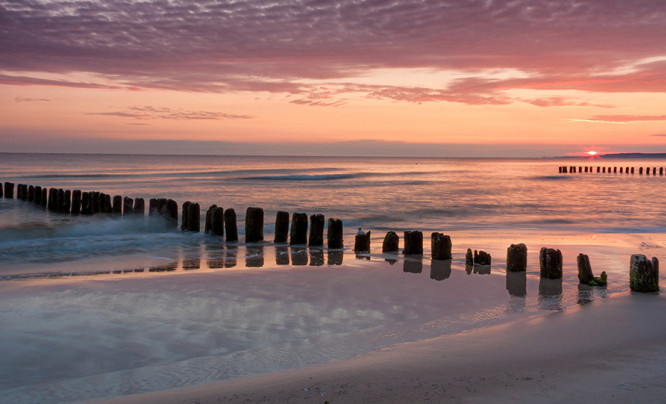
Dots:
(299, 256)
(440, 269)
(254, 256)
(550, 294)
(516, 283)
(413, 265)
(281, 255)
(335, 257)
(216, 255)
(316, 257)
(230, 257)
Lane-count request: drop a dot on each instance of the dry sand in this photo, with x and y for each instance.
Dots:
(610, 350)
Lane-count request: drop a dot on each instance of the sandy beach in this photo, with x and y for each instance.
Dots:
(610, 350)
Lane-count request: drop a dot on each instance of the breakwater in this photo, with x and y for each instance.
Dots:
(309, 231)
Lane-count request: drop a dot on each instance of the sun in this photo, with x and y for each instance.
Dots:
(591, 153)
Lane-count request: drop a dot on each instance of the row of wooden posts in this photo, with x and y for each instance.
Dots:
(644, 273)
(610, 170)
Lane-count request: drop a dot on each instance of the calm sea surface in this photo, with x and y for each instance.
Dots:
(378, 194)
(152, 309)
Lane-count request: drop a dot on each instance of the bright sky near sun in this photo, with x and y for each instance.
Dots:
(477, 77)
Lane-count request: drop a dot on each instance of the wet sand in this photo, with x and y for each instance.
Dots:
(609, 350)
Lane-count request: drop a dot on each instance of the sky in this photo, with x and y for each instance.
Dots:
(514, 78)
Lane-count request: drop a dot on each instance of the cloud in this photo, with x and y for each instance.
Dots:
(149, 112)
(268, 46)
(28, 99)
(659, 134)
(623, 119)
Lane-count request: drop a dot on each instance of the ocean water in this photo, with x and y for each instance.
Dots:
(100, 306)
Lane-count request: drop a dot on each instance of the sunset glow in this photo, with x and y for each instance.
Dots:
(469, 78)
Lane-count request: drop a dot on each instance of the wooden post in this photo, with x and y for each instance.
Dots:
(31, 193)
(440, 246)
(230, 225)
(52, 199)
(317, 223)
(67, 202)
(614, 170)
(2, 194)
(481, 258)
(86, 203)
(516, 258)
(391, 242)
(643, 274)
(208, 226)
(194, 217)
(38, 195)
(139, 208)
(598, 169)
(413, 243)
(632, 170)
(640, 170)
(661, 170)
(334, 238)
(254, 225)
(184, 224)
(76, 202)
(362, 242)
(171, 209)
(127, 207)
(620, 170)
(550, 261)
(299, 229)
(281, 227)
(584, 269)
(106, 203)
(60, 200)
(217, 221)
(118, 204)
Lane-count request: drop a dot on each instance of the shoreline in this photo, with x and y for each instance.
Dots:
(607, 351)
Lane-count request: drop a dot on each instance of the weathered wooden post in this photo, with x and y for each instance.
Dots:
(632, 170)
(391, 242)
(254, 225)
(281, 227)
(316, 238)
(334, 238)
(217, 221)
(127, 207)
(31, 193)
(643, 274)
(194, 217)
(208, 226)
(94, 202)
(550, 261)
(76, 202)
(170, 212)
(481, 258)
(230, 225)
(603, 170)
(118, 204)
(441, 246)
(299, 229)
(469, 258)
(640, 170)
(153, 207)
(45, 197)
(38, 195)
(614, 170)
(621, 170)
(139, 208)
(86, 203)
(413, 242)
(51, 206)
(67, 202)
(516, 258)
(647, 170)
(106, 199)
(362, 242)
(661, 170)
(2, 194)
(184, 224)
(598, 169)
(584, 269)
(60, 201)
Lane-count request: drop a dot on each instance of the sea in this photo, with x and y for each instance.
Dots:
(101, 306)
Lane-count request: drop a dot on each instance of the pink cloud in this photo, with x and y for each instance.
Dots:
(149, 112)
(222, 46)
